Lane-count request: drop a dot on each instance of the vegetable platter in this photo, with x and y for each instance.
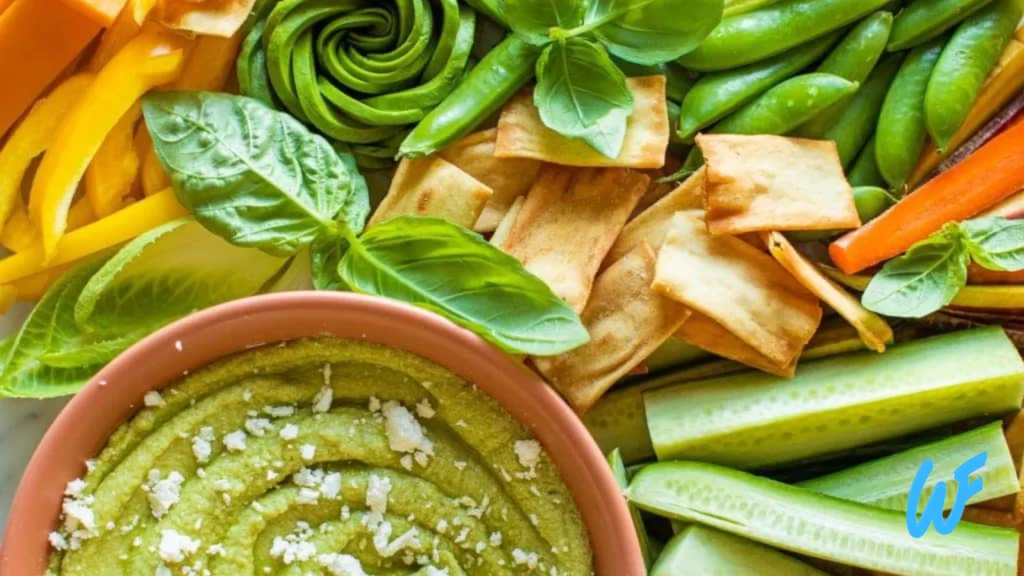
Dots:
(771, 252)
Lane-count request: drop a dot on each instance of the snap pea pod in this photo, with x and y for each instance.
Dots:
(870, 201)
(858, 120)
(923, 20)
(752, 36)
(481, 93)
(718, 94)
(972, 52)
(678, 81)
(675, 144)
(780, 110)
(493, 9)
(865, 170)
(853, 58)
(901, 132)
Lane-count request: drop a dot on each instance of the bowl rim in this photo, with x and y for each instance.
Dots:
(270, 318)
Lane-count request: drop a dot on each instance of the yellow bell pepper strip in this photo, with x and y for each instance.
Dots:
(31, 58)
(32, 288)
(151, 172)
(121, 226)
(102, 12)
(33, 136)
(125, 27)
(1005, 82)
(21, 234)
(8, 294)
(154, 57)
(112, 172)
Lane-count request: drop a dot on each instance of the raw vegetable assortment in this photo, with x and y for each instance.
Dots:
(667, 217)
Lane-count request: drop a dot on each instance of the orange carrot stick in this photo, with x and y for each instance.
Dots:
(993, 172)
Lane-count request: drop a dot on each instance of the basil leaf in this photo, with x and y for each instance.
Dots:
(326, 253)
(653, 31)
(439, 266)
(581, 93)
(923, 280)
(253, 175)
(532, 20)
(995, 243)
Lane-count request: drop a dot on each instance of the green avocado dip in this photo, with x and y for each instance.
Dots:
(322, 456)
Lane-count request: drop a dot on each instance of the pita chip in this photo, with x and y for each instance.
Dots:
(501, 233)
(210, 17)
(522, 134)
(432, 186)
(769, 183)
(508, 178)
(873, 329)
(626, 320)
(658, 190)
(569, 220)
(739, 287)
(652, 224)
(703, 332)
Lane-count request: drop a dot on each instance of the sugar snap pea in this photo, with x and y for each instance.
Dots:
(901, 132)
(870, 201)
(853, 58)
(865, 170)
(923, 20)
(678, 81)
(858, 120)
(481, 93)
(717, 94)
(966, 61)
(752, 36)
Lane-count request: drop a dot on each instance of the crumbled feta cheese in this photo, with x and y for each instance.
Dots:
(460, 465)
(377, 491)
(462, 536)
(201, 447)
(442, 526)
(528, 452)
(520, 557)
(341, 565)
(294, 547)
(153, 399)
(424, 409)
(258, 426)
(331, 486)
(289, 432)
(405, 433)
(279, 411)
(235, 441)
(216, 550)
(90, 464)
(495, 539)
(308, 496)
(161, 569)
(408, 540)
(163, 493)
(432, 571)
(247, 395)
(57, 541)
(271, 475)
(374, 404)
(307, 452)
(322, 400)
(406, 462)
(533, 519)
(175, 546)
(345, 512)
(461, 423)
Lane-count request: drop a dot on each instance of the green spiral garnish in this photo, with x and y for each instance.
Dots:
(360, 72)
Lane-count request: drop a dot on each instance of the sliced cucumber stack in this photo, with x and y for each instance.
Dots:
(753, 420)
(701, 550)
(805, 522)
(622, 477)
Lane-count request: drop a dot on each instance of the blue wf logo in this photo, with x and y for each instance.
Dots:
(933, 509)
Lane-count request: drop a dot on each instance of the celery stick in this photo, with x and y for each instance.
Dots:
(805, 522)
(885, 483)
(619, 471)
(756, 420)
(701, 550)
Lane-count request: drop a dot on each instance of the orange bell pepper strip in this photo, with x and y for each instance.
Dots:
(121, 226)
(32, 288)
(1005, 82)
(5, 4)
(33, 136)
(21, 234)
(112, 172)
(151, 59)
(992, 173)
(103, 12)
(125, 27)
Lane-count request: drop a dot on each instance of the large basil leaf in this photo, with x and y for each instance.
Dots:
(923, 280)
(652, 31)
(168, 273)
(533, 20)
(995, 243)
(581, 93)
(254, 176)
(439, 266)
(50, 334)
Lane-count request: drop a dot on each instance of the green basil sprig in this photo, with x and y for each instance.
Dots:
(579, 90)
(259, 178)
(934, 270)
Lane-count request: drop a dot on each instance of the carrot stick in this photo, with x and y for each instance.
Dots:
(986, 177)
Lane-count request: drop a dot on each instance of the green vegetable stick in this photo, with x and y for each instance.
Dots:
(853, 128)
(923, 20)
(865, 170)
(698, 549)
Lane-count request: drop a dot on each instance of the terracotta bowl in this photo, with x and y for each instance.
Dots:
(83, 427)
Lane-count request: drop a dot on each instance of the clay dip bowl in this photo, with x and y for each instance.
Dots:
(82, 429)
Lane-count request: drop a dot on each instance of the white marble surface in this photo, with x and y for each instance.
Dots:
(22, 424)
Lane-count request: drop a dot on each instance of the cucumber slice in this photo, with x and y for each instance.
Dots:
(753, 420)
(709, 552)
(618, 420)
(619, 471)
(885, 483)
(801, 521)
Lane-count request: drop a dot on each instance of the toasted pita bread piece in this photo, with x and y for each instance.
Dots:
(501, 233)
(769, 183)
(433, 186)
(705, 333)
(211, 17)
(570, 218)
(508, 178)
(522, 134)
(873, 329)
(739, 287)
(652, 224)
(626, 320)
